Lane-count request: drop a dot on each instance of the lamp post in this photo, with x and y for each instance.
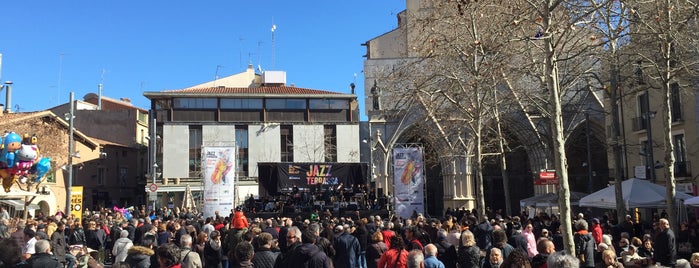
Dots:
(69, 183)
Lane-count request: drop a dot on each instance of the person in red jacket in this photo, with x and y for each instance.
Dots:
(239, 220)
(596, 231)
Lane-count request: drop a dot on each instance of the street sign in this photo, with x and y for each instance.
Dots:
(152, 196)
(153, 188)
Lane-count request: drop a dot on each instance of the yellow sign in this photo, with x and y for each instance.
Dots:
(76, 202)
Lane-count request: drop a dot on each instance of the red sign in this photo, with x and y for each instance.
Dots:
(153, 187)
(547, 177)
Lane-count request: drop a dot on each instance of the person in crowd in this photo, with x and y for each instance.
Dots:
(431, 260)
(308, 254)
(10, 256)
(200, 245)
(446, 252)
(584, 244)
(694, 260)
(646, 251)
(562, 260)
(495, 258)
(516, 259)
(293, 240)
(325, 244)
(545, 248)
(264, 256)
(375, 249)
(77, 235)
(18, 235)
(59, 244)
(387, 232)
(347, 248)
(468, 255)
(609, 260)
(632, 259)
(164, 235)
(143, 255)
(121, 246)
(528, 233)
(43, 258)
(396, 256)
(212, 253)
(189, 257)
(168, 256)
(28, 249)
(415, 259)
(362, 235)
(242, 255)
(412, 235)
(500, 242)
(96, 238)
(596, 231)
(623, 246)
(664, 245)
(483, 233)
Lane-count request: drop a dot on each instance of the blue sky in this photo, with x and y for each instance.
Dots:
(50, 48)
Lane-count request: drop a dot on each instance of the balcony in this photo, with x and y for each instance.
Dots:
(683, 169)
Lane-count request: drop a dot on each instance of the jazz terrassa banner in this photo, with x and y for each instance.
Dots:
(277, 178)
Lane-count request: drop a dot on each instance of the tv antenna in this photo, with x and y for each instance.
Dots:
(274, 28)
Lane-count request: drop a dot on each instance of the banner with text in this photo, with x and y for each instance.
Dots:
(76, 202)
(282, 177)
(219, 180)
(408, 181)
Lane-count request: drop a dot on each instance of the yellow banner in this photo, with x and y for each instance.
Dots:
(76, 202)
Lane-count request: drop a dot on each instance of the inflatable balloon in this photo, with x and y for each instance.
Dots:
(11, 143)
(42, 167)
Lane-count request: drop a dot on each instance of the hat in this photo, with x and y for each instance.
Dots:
(595, 220)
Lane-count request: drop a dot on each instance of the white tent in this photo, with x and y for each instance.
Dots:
(694, 201)
(549, 200)
(636, 194)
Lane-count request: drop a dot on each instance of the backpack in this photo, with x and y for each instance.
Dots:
(580, 243)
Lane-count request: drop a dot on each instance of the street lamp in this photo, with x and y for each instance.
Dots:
(70, 116)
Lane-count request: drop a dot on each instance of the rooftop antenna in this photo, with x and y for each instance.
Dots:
(274, 28)
(99, 91)
(216, 77)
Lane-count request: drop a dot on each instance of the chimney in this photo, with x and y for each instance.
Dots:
(99, 96)
(8, 96)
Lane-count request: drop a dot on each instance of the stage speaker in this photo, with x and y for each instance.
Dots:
(352, 207)
(288, 210)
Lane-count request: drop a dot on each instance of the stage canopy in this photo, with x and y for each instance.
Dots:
(281, 177)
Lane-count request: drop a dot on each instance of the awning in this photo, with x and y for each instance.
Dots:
(18, 204)
(14, 193)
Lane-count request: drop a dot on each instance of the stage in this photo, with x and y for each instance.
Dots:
(306, 214)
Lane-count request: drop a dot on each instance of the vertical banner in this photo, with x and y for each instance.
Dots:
(76, 202)
(408, 181)
(219, 180)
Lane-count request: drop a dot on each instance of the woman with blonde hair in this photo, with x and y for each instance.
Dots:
(694, 260)
(375, 250)
(468, 255)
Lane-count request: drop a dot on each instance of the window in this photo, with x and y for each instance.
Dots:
(640, 122)
(328, 104)
(100, 175)
(195, 103)
(246, 104)
(286, 104)
(195, 141)
(123, 171)
(680, 152)
(675, 103)
(241, 142)
(330, 140)
(287, 143)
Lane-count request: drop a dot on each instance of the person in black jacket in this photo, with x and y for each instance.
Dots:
(43, 258)
(362, 235)
(545, 248)
(446, 252)
(584, 244)
(264, 256)
(144, 255)
(664, 246)
(77, 235)
(308, 255)
(212, 251)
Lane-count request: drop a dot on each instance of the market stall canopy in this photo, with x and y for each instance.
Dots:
(694, 202)
(636, 193)
(549, 200)
(15, 193)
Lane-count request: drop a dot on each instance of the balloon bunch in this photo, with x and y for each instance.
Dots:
(124, 211)
(19, 158)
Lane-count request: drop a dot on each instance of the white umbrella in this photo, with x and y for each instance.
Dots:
(636, 193)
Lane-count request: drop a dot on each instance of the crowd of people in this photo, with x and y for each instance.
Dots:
(460, 239)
